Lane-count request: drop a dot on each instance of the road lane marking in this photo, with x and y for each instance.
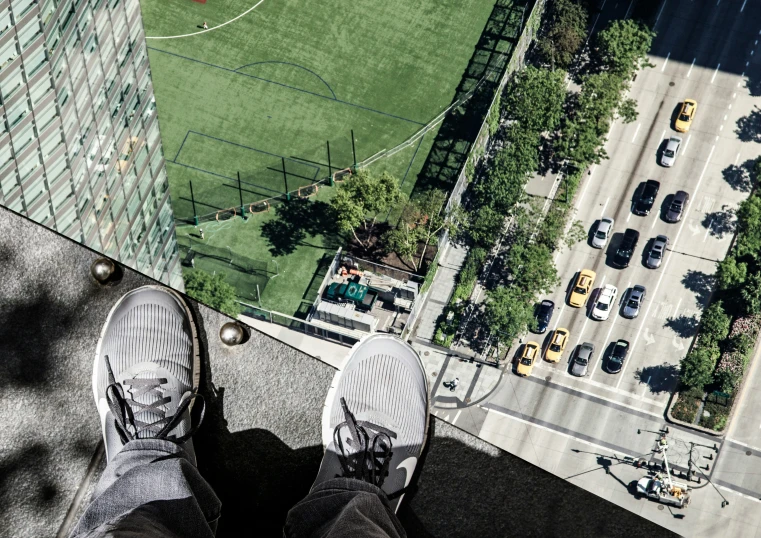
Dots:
(557, 321)
(602, 213)
(686, 144)
(663, 134)
(743, 7)
(628, 10)
(654, 221)
(659, 16)
(636, 131)
(725, 116)
(715, 73)
(666, 61)
(454, 420)
(678, 304)
(693, 65)
(629, 216)
(663, 272)
(721, 128)
(729, 107)
(546, 428)
(737, 159)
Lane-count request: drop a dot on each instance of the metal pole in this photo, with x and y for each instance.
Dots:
(193, 201)
(330, 169)
(285, 180)
(240, 194)
(353, 151)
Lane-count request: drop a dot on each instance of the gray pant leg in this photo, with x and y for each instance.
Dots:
(150, 489)
(343, 507)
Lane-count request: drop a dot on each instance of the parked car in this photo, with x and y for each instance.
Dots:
(657, 251)
(686, 115)
(528, 358)
(633, 303)
(625, 250)
(647, 198)
(671, 151)
(618, 356)
(557, 345)
(581, 288)
(605, 301)
(544, 315)
(677, 206)
(583, 357)
(602, 234)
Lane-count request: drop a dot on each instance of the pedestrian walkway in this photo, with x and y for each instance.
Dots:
(475, 379)
(440, 291)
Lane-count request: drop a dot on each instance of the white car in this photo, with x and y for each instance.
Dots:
(602, 234)
(605, 302)
(671, 151)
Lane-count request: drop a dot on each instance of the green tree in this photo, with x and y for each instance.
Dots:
(212, 290)
(751, 294)
(507, 313)
(422, 220)
(623, 46)
(730, 273)
(361, 199)
(598, 100)
(576, 234)
(565, 30)
(628, 110)
(714, 324)
(486, 226)
(698, 366)
(532, 268)
(534, 98)
(749, 227)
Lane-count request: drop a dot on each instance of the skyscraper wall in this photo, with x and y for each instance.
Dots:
(80, 150)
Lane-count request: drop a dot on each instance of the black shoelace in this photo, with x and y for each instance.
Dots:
(124, 409)
(366, 455)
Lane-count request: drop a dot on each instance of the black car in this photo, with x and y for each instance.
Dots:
(647, 198)
(544, 315)
(678, 204)
(625, 250)
(618, 356)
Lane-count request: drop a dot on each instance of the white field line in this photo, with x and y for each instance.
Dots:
(210, 29)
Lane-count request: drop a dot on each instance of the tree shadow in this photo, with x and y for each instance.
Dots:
(720, 223)
(749, 127)
(700, 283)
(460, 127)
(661, 378)
(683, 326)
(739, 177)
(296, 221)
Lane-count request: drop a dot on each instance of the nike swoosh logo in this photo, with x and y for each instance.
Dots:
(408, 465)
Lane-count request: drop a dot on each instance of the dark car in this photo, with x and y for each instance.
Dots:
(618, 356)
(647, 198)
(634, 301)
(544, 315)
(625, 250)
(678, 204)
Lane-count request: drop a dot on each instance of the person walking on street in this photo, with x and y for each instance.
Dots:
(145, 383)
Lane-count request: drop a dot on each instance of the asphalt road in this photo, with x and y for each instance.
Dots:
(704, 51)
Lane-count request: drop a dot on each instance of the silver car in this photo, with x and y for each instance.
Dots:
(581, 361)
(658, 250)
(671, 151)
(602, 234)
(634, 301)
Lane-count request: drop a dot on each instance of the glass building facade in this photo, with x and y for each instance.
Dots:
(80, 150)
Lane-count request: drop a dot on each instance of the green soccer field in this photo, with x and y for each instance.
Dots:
(278, 84)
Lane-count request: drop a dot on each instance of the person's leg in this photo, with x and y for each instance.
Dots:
(375, 425)
(145, 379)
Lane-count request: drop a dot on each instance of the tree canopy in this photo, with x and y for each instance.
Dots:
(564, 34)
(623, 46)
(212, 290)
(507, 313)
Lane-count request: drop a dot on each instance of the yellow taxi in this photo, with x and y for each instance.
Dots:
(686, 115)
(557, 345)
(526, 362)
(582, 287)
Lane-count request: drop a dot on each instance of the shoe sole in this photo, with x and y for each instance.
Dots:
(193, 331)
(327, 429)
